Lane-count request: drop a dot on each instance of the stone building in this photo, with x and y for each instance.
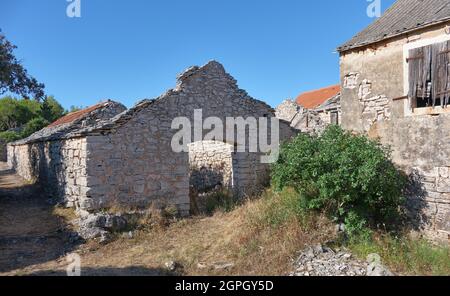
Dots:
(57, 156)
(312, 111)
(395, 81)
(108, 157)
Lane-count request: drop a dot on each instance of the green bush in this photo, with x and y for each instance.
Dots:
(10, 136)
(349, 177)
(33, 126)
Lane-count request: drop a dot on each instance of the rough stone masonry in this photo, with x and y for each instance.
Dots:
(124, 160)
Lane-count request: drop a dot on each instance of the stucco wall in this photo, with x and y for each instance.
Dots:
(373, 87)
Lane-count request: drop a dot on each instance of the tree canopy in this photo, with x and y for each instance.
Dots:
(19, 118)
(13, 76)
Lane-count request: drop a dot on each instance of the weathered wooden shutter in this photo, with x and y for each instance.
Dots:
(334, 118)
(441, 72)
(419, 72)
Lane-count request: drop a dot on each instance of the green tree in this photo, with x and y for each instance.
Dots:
(20, 118)
(34, 125)
(13, 76)
(14, 114)
(51, 110)
(74, 108)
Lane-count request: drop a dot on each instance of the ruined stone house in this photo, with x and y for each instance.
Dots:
(109, 157)
(395, 81)
(312, 111)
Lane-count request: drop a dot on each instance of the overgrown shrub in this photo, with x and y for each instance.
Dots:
(10, 136)
(33, 126)
(349, 177)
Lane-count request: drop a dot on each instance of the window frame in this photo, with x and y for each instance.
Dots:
(408, 110)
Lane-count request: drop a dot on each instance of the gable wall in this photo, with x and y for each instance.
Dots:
(135, 166)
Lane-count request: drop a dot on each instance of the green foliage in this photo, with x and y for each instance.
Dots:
(404, 255)
(13, 76)
(14, 113)
(51, 110)
(279, 208)
(33, 126)
(349, 177)
(75, 108)
(10, 136)
(19, 118)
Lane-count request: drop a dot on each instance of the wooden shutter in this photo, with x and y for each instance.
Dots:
(334, 118)
(441, 72)
(419, 71)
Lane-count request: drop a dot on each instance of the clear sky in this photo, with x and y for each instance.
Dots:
(128, 50)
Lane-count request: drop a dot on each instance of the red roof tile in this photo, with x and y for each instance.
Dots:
(71, 117)
(315, 98)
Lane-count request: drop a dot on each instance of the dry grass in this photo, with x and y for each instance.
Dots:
(241, 237)
(260, 237)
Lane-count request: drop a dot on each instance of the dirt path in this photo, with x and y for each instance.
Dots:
(29, 231)
(34, 240)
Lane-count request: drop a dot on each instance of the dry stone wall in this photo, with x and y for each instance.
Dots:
(59, 166)
(211, 165)
(311, 121)
(131, 162)
(371, 80)
(126, 163)
(57, 159)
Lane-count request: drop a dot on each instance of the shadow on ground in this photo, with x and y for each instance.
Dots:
(30, 233)
(109, 271)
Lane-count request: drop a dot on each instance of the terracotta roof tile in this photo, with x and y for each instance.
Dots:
(315, 98)
(71, 117)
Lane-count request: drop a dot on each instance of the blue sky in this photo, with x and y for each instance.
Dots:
(128, 50)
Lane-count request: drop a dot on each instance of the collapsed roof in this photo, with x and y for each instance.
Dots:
(69, 125)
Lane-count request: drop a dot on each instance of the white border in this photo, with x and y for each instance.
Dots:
(406, 48)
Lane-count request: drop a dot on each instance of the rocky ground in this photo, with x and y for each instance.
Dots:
(35, 240)
(324, 261)
(29, 232)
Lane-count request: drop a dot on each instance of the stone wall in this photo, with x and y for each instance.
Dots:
(132, 163)
(56, 158)
(59, 166)
(3, 150)
(211, 165)
(288, 110)
(311, 121)
(127, 163)
(373, 102)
